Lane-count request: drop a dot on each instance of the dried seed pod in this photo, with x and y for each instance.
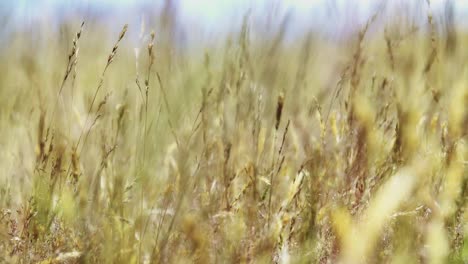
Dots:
(279, 110)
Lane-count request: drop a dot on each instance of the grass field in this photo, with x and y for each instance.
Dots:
(250, 150)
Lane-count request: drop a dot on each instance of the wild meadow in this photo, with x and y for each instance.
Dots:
(251, 149)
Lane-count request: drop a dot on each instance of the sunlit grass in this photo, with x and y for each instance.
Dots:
(257, 151)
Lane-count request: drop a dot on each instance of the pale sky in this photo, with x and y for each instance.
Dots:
(219, 15)
(208, 11)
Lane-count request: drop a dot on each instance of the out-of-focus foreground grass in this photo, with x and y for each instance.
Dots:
(256, 150)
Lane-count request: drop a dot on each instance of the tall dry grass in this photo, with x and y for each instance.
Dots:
(312, 151)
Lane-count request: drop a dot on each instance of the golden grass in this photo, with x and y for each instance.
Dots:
(311, 152)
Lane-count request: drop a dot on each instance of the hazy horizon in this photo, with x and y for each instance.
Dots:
(220, 16)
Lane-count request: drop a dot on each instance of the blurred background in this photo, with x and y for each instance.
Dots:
(206, 20)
